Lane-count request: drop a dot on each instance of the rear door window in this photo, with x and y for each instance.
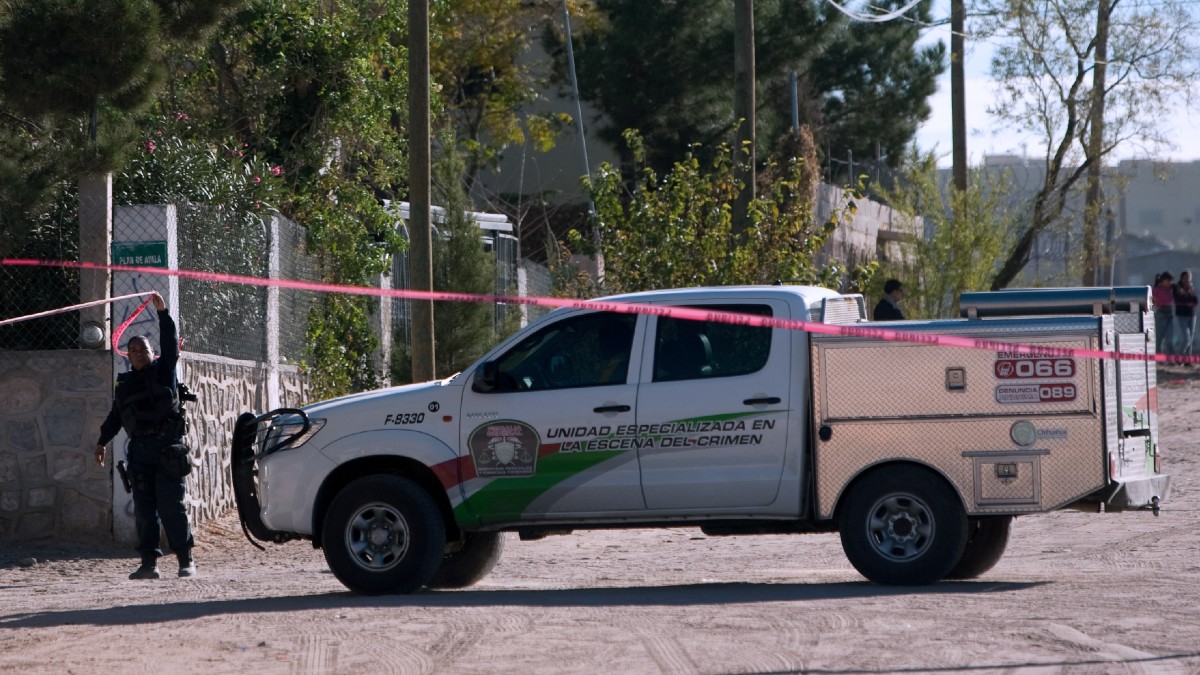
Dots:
(687, 350)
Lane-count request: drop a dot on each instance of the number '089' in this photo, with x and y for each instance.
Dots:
(1056, 392)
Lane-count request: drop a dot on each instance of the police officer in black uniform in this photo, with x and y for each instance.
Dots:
(146, 404)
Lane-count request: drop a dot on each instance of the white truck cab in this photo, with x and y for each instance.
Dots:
(920, 455)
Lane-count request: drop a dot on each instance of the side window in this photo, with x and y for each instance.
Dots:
(689, 350)
(585, 351)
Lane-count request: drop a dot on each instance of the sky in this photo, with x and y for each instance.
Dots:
(985, 137)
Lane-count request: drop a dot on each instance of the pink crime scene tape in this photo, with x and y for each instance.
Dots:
(687, 313)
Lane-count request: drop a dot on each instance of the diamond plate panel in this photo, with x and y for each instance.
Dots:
(1020, 489)
(873, 380)
(1008, 479)
(890, 401)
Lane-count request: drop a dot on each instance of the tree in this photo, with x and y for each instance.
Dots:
(317, 89)
(1044, 70)
(666, 69)
(488, 87)
(70, 88)
(874, 84)
(676, 230)
(33, 177)
(463, 330)
(60, 56)
(965, 234)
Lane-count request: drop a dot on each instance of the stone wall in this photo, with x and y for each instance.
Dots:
(51, 407)
(225, 388)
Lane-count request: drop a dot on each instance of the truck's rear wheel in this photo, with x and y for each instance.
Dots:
(383, 534)
(903, 526)
(987, 537)
(479, 554)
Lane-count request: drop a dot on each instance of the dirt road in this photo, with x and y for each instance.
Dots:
(1075, 593)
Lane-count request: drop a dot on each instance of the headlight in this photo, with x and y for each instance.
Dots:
(287, 432)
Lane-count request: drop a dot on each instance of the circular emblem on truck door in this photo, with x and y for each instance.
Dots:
(505, 448)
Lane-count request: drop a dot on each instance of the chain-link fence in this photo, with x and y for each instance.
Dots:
(222, 318)
(235, 320)
(538, 283)
(218, 318)
(31, 290)
(226, 319)
(294, 306)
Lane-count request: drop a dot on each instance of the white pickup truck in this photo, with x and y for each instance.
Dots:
(919, 455)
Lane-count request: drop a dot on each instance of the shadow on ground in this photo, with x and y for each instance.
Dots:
(681, 595)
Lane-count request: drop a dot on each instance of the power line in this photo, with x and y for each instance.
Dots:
(875, 18)
(1006, 41)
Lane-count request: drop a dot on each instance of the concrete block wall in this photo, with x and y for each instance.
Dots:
(874, 232)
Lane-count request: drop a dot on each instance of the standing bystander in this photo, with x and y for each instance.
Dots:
(1164, 311)
(146, 403)
(1184, 295)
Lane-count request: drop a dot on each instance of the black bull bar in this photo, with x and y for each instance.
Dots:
(245, 473)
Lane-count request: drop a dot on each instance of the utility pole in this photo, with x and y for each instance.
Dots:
(743, 109)
(958, 96)
(598, 258)
(1095, 146)
(421, 242)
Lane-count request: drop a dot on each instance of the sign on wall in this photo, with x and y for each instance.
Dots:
(140, 253)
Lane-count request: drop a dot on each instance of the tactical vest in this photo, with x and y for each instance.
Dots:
(147, 407)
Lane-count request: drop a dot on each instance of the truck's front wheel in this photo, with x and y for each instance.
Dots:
(383, 534)
(903, 526)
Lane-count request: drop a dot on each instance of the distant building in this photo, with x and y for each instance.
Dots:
(1151, 221)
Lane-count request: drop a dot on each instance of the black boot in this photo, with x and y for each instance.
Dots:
(148, 570)
(187, 568)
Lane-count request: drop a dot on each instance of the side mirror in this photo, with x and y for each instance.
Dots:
(485, 378)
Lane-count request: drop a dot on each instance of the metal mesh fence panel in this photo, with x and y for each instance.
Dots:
(230, 319)
(294, 306)
(220, 318)
(227, 319)
(539, 284)
(30, 290)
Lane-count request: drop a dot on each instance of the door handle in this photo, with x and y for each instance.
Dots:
(611, 408)
(766, 400)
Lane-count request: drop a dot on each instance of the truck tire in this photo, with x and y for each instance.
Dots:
(383, 534)
(987, 537)
(479, 554)
(903, 526)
